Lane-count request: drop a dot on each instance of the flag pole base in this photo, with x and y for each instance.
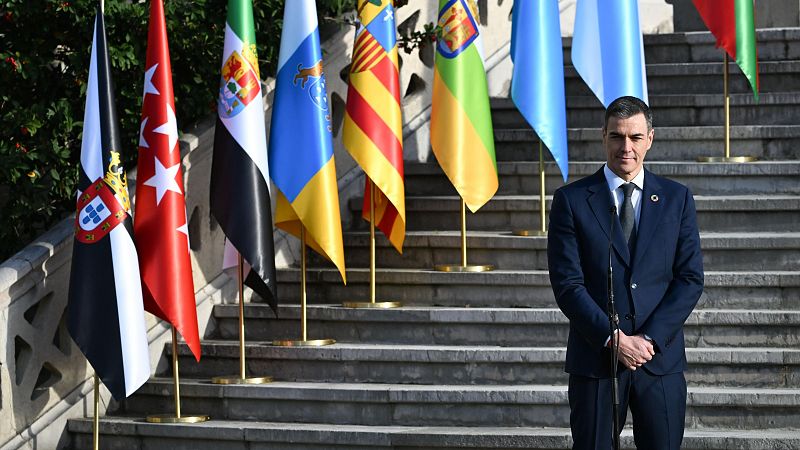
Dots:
(529, 233)
(303, 343)
(372, 305)
(171, 418)
(460, 268)
(727, 159)
(238, 380)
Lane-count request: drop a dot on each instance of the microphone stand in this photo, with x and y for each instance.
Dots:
(613, 326)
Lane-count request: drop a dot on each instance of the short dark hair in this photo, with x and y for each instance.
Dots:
(626, 107)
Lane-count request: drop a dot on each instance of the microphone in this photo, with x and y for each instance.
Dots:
(613, 318)
(613, 327)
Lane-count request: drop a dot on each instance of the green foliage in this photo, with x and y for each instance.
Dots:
(44, 62)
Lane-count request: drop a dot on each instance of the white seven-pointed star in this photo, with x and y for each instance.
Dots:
(170, 128)
(142, 142)
(148, 82)
(164, 180)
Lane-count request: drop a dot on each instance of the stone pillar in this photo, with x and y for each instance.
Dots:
(769, 14)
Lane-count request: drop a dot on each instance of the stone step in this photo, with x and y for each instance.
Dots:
(519, 288)
(673, 110)
(522, 177)
(528, 405)
(676, 144)
(489, 326)
(774, 44)
(734, 213)
(477, 365)
(702, 78)
(124, 433)
(425, 249)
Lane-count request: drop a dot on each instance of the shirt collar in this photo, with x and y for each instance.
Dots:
(614, 181)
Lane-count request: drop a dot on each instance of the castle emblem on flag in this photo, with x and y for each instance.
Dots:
(459, 27)
(238, 87)
(99, 211)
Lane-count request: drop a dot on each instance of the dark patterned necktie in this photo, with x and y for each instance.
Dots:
(627, 215)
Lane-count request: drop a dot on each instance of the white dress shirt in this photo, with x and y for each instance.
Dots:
(614, 183)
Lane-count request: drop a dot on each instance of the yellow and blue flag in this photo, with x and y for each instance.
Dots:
(537, 84)
(301, 159)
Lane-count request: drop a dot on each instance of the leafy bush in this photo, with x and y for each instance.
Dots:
(44, 61)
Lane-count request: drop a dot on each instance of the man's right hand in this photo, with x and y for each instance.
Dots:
(634, 351)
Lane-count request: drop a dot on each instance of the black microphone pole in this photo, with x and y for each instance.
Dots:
(613, 327)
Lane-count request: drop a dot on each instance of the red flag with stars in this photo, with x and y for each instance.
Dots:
(160, 227)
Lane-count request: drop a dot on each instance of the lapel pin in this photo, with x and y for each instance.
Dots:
(654, 198)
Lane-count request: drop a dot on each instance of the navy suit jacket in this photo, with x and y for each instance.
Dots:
(655, 288)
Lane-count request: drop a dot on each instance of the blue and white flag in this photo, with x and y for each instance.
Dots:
(301, 161)
(607, 49)
(537, 85)
(105, 315)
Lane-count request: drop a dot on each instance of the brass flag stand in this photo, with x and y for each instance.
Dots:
(372, 303)
(96, 419)
(542, 231)
(463, 267)
(177, 417)
(303, 341)
(727, 158)
(242, 378)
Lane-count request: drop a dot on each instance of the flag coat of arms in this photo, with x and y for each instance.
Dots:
(373, 122)
(240, 197)
(161, 230)
(300, 144)
(105, 314)
(537, 84)
(462, 137)
(732, 22)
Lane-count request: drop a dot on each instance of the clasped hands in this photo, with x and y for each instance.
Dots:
(634, 351)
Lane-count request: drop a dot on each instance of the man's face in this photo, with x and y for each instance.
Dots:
(626, 142)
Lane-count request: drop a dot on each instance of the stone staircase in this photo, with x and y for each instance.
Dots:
(476, 360)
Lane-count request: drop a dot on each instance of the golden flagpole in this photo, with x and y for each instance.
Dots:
(727, 103)
(242, 378)
(542, 231)
(463, 267)
(303, 341)
(177, 417)
(372, 303)
(96, 420)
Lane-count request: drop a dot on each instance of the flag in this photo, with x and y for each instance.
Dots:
(373, 123)
(300, 142)
(607, 49)
(162, 238)
(537, 83)
(105, 312)
(733, 24)
(240, 197)
(461, 123)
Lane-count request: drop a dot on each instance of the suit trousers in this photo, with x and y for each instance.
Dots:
(657, 404)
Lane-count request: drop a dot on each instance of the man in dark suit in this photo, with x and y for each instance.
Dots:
(658, 278)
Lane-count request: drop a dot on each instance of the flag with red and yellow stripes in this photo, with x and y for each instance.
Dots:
(373, 124)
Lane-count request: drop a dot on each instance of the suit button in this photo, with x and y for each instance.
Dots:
(634, 286)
